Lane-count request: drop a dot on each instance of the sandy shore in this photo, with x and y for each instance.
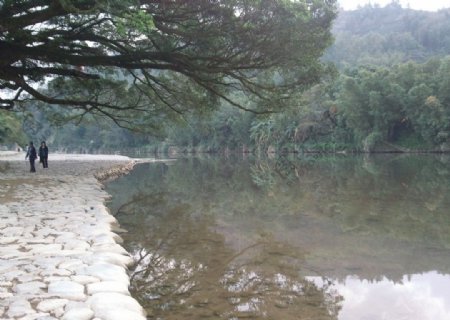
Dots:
(59, 256)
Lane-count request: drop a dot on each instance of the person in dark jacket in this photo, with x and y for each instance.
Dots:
(43, 154)
(31, 155)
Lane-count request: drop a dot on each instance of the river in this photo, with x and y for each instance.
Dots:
(307, 237)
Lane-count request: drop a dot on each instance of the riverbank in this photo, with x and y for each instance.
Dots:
(59, 255)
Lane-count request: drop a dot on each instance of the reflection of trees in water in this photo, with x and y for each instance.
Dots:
(262, 175)
(189, 268)
(184, 270)
(403, 197)
(139, 202)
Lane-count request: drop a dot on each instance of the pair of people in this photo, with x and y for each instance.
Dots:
(32, 155)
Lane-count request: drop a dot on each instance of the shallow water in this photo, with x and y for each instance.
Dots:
(289, 238)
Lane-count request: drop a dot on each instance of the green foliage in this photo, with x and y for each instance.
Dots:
(389, 35)
(139, 20)
(368, 109)
(226, 128)
(383, 104)
(143, 64)
(392, 93)
(11, 129)
(364, 109)
(89, 135)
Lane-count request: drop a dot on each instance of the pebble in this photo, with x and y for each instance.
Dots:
(51, 304)
(30, 287)
(59, 255)
(79, 314)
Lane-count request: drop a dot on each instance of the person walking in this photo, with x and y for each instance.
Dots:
(31, 155)
(43, 154)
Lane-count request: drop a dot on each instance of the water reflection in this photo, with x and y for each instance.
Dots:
(185, 270)
(320, 238)
(415, 297)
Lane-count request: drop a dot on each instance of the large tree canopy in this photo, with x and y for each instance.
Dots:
(161, 58)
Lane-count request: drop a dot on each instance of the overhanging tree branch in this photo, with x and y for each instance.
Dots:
(173, 56)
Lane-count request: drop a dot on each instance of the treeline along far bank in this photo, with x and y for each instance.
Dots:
(390, 92)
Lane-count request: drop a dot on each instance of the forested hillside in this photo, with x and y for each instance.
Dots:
(390, 92)
(389, 35)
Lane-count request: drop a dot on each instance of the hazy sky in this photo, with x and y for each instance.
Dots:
(430, 5)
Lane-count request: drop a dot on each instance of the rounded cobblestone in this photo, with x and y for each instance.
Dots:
(59, 256)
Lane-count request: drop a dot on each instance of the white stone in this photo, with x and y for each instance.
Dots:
(12, 275)
(107, 286)
(112, 258)
(10, 248)
(13, 220)
(35, 316)
(72, 253)
(58, 312)
(118, 314)
(109, 247)
(29, 241)
(7, 266)
(49, 262)
(50, 279)
(28, 278)
(56, 272)
(43, 232)
(9, 240)
(5, 295)
(12, 231)
(76, 245)
(65, 236)
(105, 238)
(19, 308)
(46, 248)
(115, 306)
(71, 264)
(51, 304)
(78, 314)
(75, 305)
(89, 232)
(67, 289)
(13, 252)
(33, 287)
(83, 279)
(30, 268)
(106, 272)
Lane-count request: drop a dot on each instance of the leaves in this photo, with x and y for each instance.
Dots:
(11, 129)
(171, 53)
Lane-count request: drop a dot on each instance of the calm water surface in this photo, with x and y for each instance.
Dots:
(303, 238)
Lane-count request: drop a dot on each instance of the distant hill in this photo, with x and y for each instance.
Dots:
(389, 35)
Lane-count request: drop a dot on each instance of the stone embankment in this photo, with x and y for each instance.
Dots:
(59, 255)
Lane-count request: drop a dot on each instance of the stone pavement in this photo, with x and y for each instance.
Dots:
(59, 255)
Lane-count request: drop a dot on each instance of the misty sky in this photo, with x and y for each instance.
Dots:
(429, 5)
